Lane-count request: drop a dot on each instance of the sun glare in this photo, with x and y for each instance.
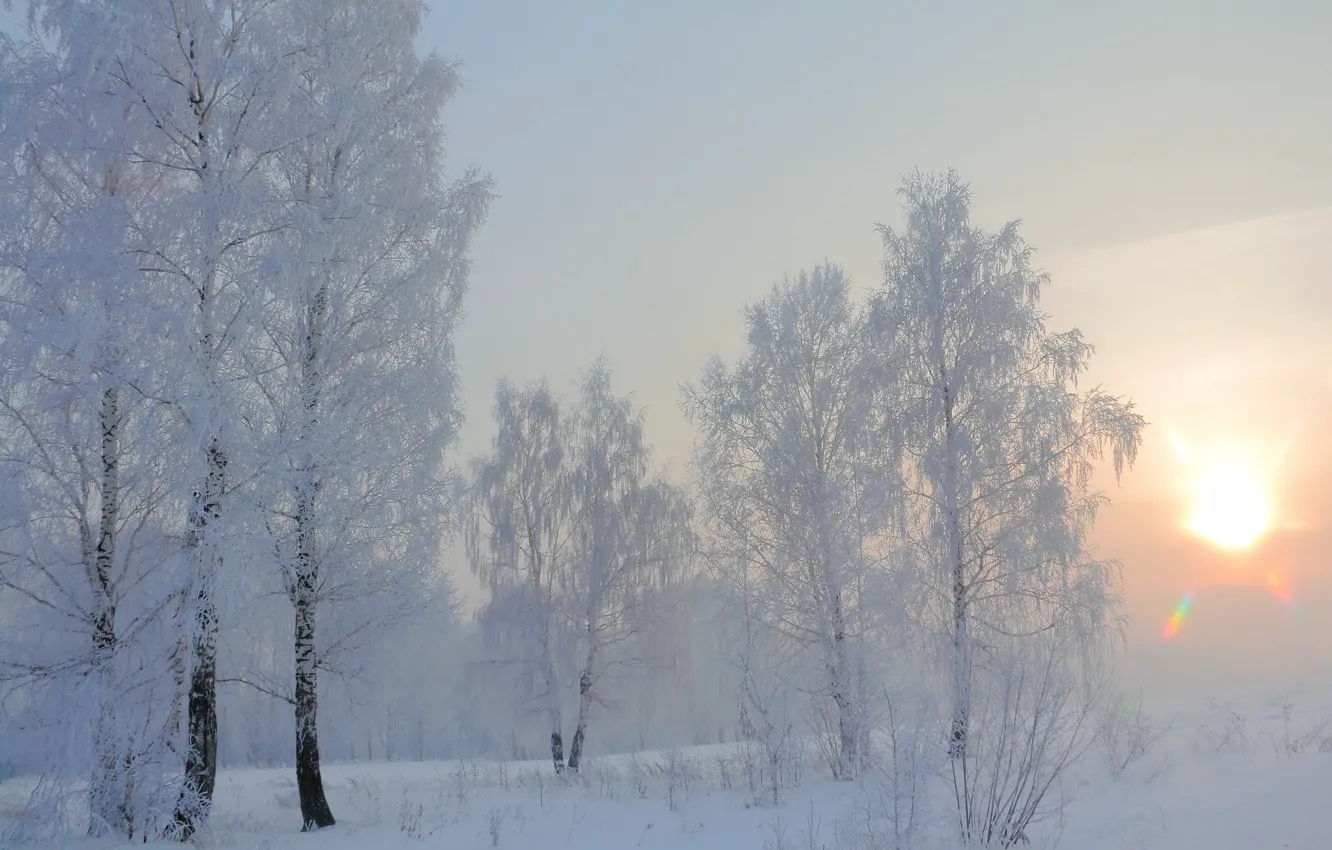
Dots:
(1230, 507)
(1230, 497)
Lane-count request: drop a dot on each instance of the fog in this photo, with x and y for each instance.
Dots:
(1169, 165)
(721, 400)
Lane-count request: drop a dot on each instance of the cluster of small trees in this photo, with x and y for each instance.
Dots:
(895, 488)
(230, 266)
(916, 465)
(581, 544)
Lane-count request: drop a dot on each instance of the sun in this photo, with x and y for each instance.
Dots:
(1230, 496)
(1230, 506)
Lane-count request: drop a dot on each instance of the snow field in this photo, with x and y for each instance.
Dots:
(1225, 776)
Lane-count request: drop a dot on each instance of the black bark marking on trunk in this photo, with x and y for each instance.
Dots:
(957, 743)
(557, 751)
(580, 732)
(315, 811)
(957, 739)
(196, 797)
(111, 786)
(201, 757)
(847, 756)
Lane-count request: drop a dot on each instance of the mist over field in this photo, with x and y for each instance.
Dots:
(841, 427)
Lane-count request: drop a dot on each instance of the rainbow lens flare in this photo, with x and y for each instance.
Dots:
(1275, 584)
(1281, 590)
(1176, 620)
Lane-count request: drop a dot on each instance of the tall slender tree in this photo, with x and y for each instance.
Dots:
(997, 443)
(198, 86)
(632, 537)
(788, 477)
(580, 540)
(518, 540)
(85, 543)
(362, 392)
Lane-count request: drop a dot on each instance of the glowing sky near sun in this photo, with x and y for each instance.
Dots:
(1230, 490)
(1231, 502)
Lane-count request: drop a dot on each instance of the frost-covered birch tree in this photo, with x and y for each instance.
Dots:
(518, 539)
(580, 540)
(751, 629)
(632, 537)
(198, 86)
(85, 541)
(370, 270)
(998, 443)
(789, 481)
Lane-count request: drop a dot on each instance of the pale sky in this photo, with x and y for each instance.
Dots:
(660, 164)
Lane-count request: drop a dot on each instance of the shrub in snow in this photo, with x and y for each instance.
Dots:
(366, 799)
(725, 765)
(1032, 718)
(1127, 734)
(409, 818)
(682, 771)
(1295, 742)
(639, 772)
(605, 774)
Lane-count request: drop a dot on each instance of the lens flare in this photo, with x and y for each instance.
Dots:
(1176, 620)
(1281, 590)
(1275, 584)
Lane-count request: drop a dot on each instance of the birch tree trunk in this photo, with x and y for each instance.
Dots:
(843, 697)
(108, 803)
(201, 704)
(553, 711)
(206, 511)
(837, 662)
(961, 627)
(593, 610)
(315, 811)
(554, 714)
(585, 685)
(584, 712)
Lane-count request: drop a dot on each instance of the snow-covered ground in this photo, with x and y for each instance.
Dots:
(1248, 775)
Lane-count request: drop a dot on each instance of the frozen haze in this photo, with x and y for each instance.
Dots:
(661, 168)
(781, 518)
